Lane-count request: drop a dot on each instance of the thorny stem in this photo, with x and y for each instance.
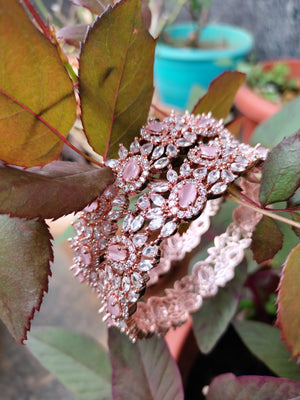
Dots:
(235, 196)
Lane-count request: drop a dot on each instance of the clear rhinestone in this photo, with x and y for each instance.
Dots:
(116, 281)
(104, 228)
(112, 163)
(161, 163)
(146, 148)
(168, 229)
(123, 152)
(237, 167)
(137, 280)
(139, 239)
(213, 176)
(200, 173)
(242, 160)
(134, 147)
(191, 137)
(127, 222)
(119, 201)
(158, 152)
(143, 202)
(227, 175)
(218, 188)
(137, 223)
(172, 175)
(154, 213)
(125, 283)
(185, 169)
(156, 223)
(102, 244)
(157, 199)
(183, 142)
(150, 251)
(171, 150)
(115, 214)
(133, 297)
(145, 265)
(160, 187)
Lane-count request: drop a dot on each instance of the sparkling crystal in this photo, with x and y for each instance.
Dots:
(172, 175)
(137, 280)
(154, 213)
(150, 251)
(112, 163)
(218, 188)
(116, 281)
(187, 194)
(91, 207)
(104, 228)
(113, 306)
(227, 175)
(213, 176)
(115, 214)
(85, 255)
(146, 148)
(116, 252)
(143, 202)
(160, 187)
(78, 227)
(125, 283)
(191, 137)
(145, 265)
(131, 170)
(123, 152)
(171, 150)
(237, 167)
(183, 142)
(139, 239)
(200, 173)
(88, 231)
(156, 223)
(137, 223)
(102, 244)
(161, 163)
(133, 297)
(134, 147)
(242, 160)
(155, 126)
(127, 222)
(185, 169)
(209, 152)
(157, 199)
(119, 201)
(168, 229)
(158, 151)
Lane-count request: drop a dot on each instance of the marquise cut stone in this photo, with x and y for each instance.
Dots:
(139, 239)
(137, 223)
(168, 229)
(145, 265)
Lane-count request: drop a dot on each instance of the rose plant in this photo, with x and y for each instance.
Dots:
(115, 88)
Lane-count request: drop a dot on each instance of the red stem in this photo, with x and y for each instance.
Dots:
(45, 28)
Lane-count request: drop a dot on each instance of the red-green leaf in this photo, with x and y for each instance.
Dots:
(73, 34)
(36, 92)
(267, 240)
(296, 217)
(281, 171)
(95, 6)
(288, 316)
(144, 370)
(220, 95)
(25, 252)
(116, 77)
(230, 387)
(57, 189)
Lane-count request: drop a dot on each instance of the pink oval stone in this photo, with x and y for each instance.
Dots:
(187, 195)
(131, 170)
(116, 253)
(208, 151)
(113, 306)
(85, 255)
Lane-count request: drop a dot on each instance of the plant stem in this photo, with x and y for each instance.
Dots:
(45, 28)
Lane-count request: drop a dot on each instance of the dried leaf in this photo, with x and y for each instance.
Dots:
(57, 189)
(148, 364)
(73, 34)
(78, 361)
(30, 70)
(116, 77)
(207, 328)
(230, 387)
(288, 317)
(220, 95)
(25, 252)
(267, 240)
(281, 171)
(264, 342)
(95, 6)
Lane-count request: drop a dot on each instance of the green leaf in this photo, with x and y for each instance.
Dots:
(281, 171)
(78, 361)
(36, 95)
(207, 328)
(264, 342)
(294, 201)
(284, 123)
(296, 217)
(57, 189)
(220, 95)
(288, 300)
(144, 370)
(25, 252)
(267, 240)
(290, 240)
(116, 77)
(95, 6)
(230, 387)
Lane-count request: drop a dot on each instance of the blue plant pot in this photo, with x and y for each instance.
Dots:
(178, 69)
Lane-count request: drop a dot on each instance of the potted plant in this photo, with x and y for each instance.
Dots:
(270, 85)
(155, 179)
(193, 53)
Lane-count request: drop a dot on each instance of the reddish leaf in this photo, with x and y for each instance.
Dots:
(116, 77)
(35, 92)
(144, 370)
(281, 171)
(288, 317)
(25, 252)
(95, 6)
(57, 189)
(296, 217)
(220, 95)
(73, 34)
(235, 126)
(230, 387)
(267, 240)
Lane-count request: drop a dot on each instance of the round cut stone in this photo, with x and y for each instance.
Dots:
(187, 195)
(116, 252)
(131, 170)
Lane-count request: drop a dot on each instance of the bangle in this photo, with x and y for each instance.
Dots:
(127, 238)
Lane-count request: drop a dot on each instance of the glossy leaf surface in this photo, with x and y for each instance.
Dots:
(77, 360)
(57, 189)
(220, 95)
(265, 343)
(25, 253)
(289, 302)
(281, 171)
(230, 387)
(30, 70)
(116, 78)
(207, 328)
(267, 240)
(144, 370)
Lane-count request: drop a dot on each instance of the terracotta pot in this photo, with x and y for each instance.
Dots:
(255, 108)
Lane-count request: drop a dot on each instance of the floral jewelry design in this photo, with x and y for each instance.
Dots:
(173, 173)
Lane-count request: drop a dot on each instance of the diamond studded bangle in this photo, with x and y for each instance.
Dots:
(173, 173)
